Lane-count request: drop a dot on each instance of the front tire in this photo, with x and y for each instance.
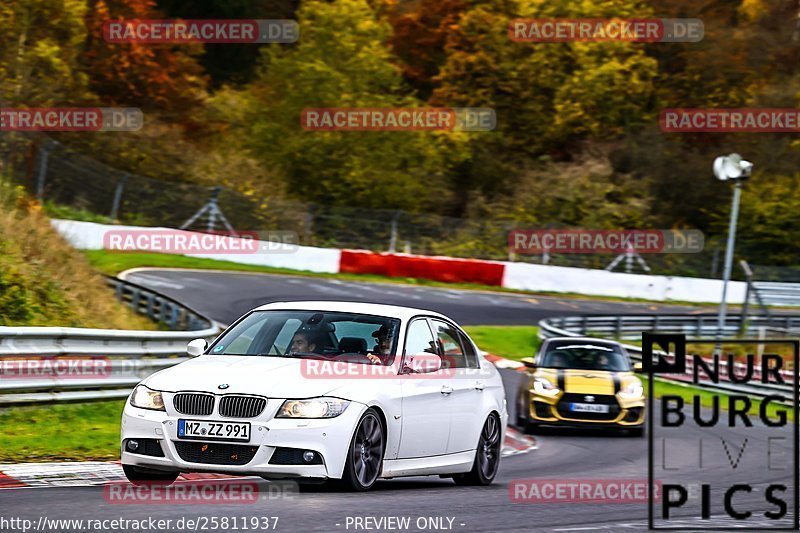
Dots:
(148, 477)
(365, 454)
(487, 456)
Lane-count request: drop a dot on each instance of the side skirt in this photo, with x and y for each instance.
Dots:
(454, 463)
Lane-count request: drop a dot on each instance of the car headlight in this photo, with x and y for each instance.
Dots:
(544, 387)
(145, 398)
(632, 390)
(313, 408)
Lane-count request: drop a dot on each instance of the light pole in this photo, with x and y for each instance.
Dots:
(730, 168)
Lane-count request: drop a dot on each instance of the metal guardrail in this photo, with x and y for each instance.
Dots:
(158, 307)
(697, 326)
(777, 293)
(123, 357)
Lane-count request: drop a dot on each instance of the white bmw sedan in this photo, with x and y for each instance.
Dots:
(333, 392)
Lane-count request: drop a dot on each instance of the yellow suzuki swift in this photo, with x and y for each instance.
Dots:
(581, 382)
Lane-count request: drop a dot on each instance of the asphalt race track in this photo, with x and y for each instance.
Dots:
(225, 296)
(562, 455)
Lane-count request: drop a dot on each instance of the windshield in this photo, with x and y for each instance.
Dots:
(586, 357)
(337, 336)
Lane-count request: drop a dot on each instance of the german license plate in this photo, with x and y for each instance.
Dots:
(589, 408)
(209, 430)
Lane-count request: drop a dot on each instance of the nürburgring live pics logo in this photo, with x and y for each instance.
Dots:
(740, 453)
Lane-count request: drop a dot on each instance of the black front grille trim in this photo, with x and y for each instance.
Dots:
(213, 453)
(293, 456)
(599, 399)
(151, 447)
(193, 403)
(237, 406)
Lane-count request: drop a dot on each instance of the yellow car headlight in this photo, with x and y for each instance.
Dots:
(544, 387)
(632, 390)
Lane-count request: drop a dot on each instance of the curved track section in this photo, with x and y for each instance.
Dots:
(225, 296)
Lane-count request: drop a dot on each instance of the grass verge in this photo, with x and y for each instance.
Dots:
(65, 432)
(512, 342)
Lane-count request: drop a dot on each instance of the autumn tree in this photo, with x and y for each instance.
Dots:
(342, 60)
(419, 39)
(161, 77)
(40, 46)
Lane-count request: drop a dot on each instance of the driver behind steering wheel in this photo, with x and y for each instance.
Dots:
(302, 342)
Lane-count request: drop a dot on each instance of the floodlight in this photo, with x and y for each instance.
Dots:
(732, 167)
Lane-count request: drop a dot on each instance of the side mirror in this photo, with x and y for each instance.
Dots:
(425, 363)
(638, 368)
(196, 347)
(529, 362)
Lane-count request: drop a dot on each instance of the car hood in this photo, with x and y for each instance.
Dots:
(274, 377)
(587, 381)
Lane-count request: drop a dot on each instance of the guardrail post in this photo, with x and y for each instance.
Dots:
(173, 319)
(164, 311)
(584, 325)
(699, 332)
(150, 306)
(619, 326)
(746, 304)
(135, 295)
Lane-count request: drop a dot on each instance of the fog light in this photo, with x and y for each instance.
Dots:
(308, 456)
(133, 445)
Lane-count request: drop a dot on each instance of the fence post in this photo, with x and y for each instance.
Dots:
(43, 155)
(393, 235)
(746, 304)
(118, 196)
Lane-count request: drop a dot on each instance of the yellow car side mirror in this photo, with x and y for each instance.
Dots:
(638, 368)
(529, 362)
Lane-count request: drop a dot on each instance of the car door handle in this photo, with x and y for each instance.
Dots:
(479, 386)
(446, 390)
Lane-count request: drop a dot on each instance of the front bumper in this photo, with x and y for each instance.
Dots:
(552, 410)
(330, 438)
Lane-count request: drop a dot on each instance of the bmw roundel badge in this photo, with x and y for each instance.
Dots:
(223, 386)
